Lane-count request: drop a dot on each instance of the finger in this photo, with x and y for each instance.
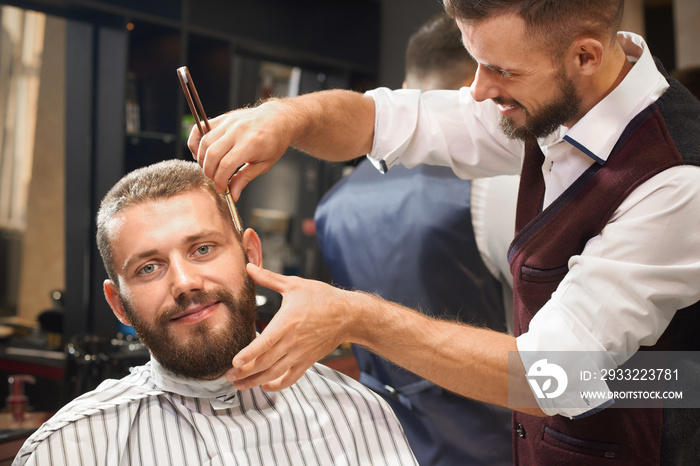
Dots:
(199, 144)
(193, 142)
(250, 376)
(229, 160)
(214, 146)
(259, 355)
(260, 378)
(268, 279)
(244, 176)
(288, 379)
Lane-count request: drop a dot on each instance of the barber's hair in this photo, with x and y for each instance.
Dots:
(436, 51)
(161, 180)
(554, 24)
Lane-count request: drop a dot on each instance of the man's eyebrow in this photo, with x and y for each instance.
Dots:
(203, 234)
(138, 257)
(497, 68)
(487, 65)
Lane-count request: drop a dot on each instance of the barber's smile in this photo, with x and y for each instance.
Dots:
(507, 110)
(196, 313)
(508, 106)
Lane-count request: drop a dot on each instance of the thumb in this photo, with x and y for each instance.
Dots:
(193, 142)
(247, 173)
(266, 278)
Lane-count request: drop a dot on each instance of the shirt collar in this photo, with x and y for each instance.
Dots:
(597, 132)
(220, 392)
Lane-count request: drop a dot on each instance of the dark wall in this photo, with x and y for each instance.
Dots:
(340, 33)
(400, 19)
(343, 31)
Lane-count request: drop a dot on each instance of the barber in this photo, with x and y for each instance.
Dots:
(606, 258)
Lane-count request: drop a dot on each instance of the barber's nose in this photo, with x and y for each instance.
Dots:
(184, 277)
(484, 85)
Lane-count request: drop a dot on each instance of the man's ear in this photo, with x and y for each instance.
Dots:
(252, 247)
(586, 55)
(115, 302)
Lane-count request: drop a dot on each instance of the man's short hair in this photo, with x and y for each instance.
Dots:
(161, 180)
(553, 24)
(435, 50)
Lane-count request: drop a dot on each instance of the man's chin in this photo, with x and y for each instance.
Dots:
(513, 130)
(202, 351)
(204, 362)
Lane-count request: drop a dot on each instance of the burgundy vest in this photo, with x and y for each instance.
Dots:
(666, 134)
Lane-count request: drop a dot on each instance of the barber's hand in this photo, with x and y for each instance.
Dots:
(308, 326)
(256, 136)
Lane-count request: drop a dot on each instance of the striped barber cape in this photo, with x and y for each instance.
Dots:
(152, 417)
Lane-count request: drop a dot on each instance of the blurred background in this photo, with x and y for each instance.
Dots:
(88, 92)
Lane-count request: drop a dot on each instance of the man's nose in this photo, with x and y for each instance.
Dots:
(184, 277)
(484, 85)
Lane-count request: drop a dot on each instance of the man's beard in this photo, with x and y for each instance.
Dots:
(205, 354)
(564, 108)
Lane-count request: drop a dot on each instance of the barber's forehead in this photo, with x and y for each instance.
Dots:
(494, 36)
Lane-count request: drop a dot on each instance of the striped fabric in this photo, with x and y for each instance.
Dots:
(152, 418)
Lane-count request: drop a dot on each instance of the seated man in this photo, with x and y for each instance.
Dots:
(177, 274)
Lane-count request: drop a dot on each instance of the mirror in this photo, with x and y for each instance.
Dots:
(32, 161)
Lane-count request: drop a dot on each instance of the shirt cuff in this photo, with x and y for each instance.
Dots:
(396, 115)
(554, 357)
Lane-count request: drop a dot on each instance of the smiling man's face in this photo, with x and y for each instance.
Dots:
(534, 94)
(182, 282)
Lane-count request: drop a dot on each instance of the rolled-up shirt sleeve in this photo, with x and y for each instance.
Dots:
(443, 127)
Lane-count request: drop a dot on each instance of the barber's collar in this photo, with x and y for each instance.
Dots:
(220, 392)
(600, 128)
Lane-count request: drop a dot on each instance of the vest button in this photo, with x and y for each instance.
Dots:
(520, 430)
(610, 454)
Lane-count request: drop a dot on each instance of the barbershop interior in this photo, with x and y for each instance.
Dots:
(89, 91)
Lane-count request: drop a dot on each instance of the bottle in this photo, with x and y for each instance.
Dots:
(17, 401)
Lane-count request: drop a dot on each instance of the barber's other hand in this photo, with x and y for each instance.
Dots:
(308, 326)
(256, 136)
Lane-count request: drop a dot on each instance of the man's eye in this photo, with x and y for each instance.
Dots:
(149, 268)
(203, 249)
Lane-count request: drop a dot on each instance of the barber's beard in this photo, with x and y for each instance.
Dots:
(565, 107)
(207, 353)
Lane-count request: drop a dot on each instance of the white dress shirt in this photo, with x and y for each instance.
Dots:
(625, 287)
(152, 417)
(492, 208)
